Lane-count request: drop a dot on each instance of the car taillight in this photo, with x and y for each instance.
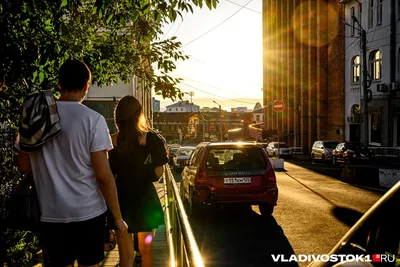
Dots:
(201, 177)
(270, 178)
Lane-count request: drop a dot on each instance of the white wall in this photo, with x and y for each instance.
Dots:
(105, 93)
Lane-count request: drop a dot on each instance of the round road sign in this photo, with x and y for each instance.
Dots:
(278, 106)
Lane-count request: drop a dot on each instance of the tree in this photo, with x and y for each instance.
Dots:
(116, 38)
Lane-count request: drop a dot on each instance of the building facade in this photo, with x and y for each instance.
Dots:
(182, 107)
(176, 127)
(381, 21)
(303, 65)
(104, 99)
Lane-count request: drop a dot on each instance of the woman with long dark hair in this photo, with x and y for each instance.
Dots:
(137, 161)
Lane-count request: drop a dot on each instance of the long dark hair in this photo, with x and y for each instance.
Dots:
(131, 123)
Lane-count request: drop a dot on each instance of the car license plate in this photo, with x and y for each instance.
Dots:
(238, 180)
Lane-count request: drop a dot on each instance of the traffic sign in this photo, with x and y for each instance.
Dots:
(278, 106)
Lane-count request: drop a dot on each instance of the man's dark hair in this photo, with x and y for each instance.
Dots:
(74, 75)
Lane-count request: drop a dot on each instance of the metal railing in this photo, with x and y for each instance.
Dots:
(386, 152)
(183, 249)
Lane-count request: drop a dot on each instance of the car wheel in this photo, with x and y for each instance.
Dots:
(312, 158)
(324, 159)
(266, 209)
(334, 160)
(347, 161)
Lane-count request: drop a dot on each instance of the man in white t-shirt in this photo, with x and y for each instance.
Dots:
(73, 177)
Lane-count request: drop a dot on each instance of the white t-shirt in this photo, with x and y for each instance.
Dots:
(62, 169)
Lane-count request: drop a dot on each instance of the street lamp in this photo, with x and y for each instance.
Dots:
(363, 36)
(220, 120)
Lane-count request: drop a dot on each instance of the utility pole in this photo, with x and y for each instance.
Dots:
(220, 121)
(363, 35)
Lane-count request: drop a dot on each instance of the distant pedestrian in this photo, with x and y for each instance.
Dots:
(73, 177)
(137, 161)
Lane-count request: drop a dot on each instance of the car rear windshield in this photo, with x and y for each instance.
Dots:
(281, 145)
(330, 144)
(172, 150)
(233, 159)
(355, 146)
(185, 152)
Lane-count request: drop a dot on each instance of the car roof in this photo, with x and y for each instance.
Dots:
(231, 144)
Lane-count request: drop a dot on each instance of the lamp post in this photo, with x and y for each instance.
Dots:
(363, 36)
(220, 120)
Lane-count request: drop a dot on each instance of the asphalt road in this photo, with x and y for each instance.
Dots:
(315, 209)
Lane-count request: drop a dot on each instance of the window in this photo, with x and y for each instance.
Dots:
(371, 14)
(379, 12)
(360, 13)
(176, 109)
(356, 69)
(169, 109)
(257, 117)
(107, 110)
(181, 109)
(352, 13)
(376, 65)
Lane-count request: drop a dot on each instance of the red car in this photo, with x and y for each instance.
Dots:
(229, 173)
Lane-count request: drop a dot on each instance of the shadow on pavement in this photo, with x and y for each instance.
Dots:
(238, 236)
(319, 167)
(346, 215)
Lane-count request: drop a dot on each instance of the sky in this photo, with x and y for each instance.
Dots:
(225, 49)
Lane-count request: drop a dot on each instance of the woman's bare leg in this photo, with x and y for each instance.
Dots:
(125, 249)
(146, 248)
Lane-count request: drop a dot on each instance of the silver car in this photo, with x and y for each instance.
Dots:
(182, 156)
(322, 150)
(281, 149)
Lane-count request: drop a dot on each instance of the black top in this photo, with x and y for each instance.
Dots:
(138, 199)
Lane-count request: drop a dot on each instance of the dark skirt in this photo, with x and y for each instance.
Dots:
(141, 209)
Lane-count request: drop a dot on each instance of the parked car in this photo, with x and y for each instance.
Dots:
(322, 150)
(284, 150)
(172, 148)
(182, 156)
(229, 173)
(375, 237)
(352, 152)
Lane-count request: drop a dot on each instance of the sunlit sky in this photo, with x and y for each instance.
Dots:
(226, 62)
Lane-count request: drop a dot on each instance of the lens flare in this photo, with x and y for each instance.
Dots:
(315, 23)
(148, 239)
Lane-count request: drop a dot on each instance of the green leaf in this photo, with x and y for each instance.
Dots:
(209, 4)
(64, 3)
(109, 18)
(214, 2)
(41, 77)
(135, 16)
